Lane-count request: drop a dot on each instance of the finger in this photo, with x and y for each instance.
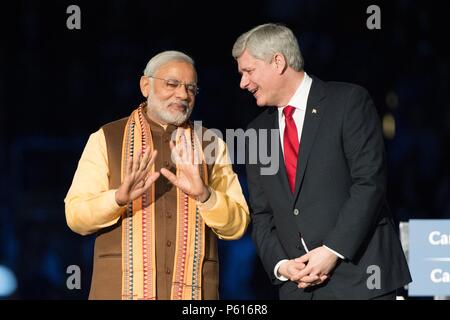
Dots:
(175, 153)
(144, 161)
(184, 153)
(311, 284)
(295, 268)
(129, 166)
(171, 145)
(143, 175)
(189, 153)
(136, 161)
(197, 158)
(303, 273)
(153, 157)
(176, 158)
(151, 178)
(299, 266)
(303, 259)
(310, 279)
(144, 167)
(303, 285)
(169, 175)
(137, 183)
(148, 183)
(151, 160)
(322, 279)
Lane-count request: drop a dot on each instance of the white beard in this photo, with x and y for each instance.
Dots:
(158, 108)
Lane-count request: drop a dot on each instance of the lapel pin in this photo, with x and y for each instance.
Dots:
(314, 111)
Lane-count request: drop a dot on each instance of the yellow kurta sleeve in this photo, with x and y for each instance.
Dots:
(226, 211)
(90, 205)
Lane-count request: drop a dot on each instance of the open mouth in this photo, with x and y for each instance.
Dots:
(254, 91)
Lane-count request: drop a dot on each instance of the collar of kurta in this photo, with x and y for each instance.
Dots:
(138, 225)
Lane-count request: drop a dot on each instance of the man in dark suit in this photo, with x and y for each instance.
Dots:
(321, 224)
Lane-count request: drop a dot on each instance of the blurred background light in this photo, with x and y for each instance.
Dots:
(8, 282)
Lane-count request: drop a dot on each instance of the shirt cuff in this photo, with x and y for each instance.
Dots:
(338, 254)
(210, 203)
(112, 208)
(275, 271)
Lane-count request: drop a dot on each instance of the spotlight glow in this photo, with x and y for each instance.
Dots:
(8, 282)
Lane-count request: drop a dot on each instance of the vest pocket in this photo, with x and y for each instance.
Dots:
(110, 255)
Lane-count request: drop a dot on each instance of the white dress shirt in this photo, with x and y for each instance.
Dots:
(298, 101)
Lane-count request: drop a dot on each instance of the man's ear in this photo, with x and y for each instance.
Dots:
(279, 62)
(145, 85)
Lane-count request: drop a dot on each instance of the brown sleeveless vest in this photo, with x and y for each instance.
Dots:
(107, 269)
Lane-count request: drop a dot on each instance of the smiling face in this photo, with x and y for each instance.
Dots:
(259, 77)
(168, 103)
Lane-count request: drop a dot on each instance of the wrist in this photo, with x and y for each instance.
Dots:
(282, 268)
(118, 201)
(204, 196)
(282, 276)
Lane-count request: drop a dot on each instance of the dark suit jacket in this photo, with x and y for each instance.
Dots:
(339, 198)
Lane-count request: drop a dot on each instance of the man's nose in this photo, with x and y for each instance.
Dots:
(244, 82)
(182, 92)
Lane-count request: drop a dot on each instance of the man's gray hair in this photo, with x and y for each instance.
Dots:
(265, 40)
(164, 57)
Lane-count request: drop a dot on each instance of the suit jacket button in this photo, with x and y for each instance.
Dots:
(296, 212)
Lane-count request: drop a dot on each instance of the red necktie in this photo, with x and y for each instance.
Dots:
(291, 144)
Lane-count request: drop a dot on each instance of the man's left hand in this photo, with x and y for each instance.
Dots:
(188, 179)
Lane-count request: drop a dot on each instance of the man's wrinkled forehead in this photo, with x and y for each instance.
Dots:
(175, 69)
(246, 62)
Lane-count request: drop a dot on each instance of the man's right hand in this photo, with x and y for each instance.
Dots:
(137, 178)
(290, 268)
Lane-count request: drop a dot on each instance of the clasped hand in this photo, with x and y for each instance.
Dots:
(311, 269)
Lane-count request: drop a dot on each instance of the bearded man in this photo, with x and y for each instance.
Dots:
(157, 206)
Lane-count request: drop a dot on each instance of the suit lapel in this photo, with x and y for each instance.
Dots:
(313, 116)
